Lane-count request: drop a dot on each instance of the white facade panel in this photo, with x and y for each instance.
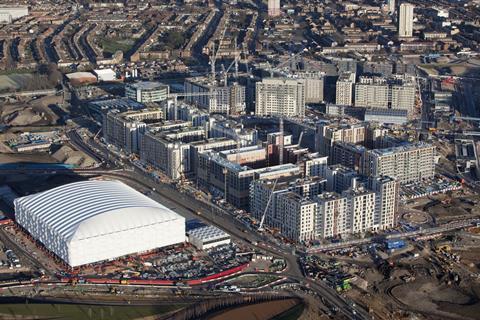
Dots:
(91, 221)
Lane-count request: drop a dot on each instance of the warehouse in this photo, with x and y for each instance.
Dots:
(90, 221)
(207, 237)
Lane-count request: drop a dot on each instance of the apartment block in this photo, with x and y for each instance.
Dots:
(344, 89)
(221, 127)
(315, 165)
(361, 208)
(406, 163)
(350, 155)
(280, 97)
(270, 192)
(340, 178)
(327, 134)
(351, 212)
(297, 215)
(314, 85)
(386, 201)
(215, 144)
(214, 97)
(124, 129)
(332, 217)
(221, 176)
(169, 151)
(405, 20)
(372, 92)
(386, 93)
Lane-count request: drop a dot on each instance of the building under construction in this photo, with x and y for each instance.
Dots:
(225, 99)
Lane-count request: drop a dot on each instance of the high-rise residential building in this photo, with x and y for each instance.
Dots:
(396, 92)
(350, 212)
(391, 6)
(386, 201)
(214, 97)
(124, 129)
(344, 89)
(405, 20)
(273, 8)
(314, 85)
(290, 208)
(371, 92)
(361, 208)
(297, 215)
(219, 127)
(402, 95)
(327, 134)
(147, 91)
(340, 178)
(315, 165)
(215, 144)
(169, 150)
(406, 163)
(215, 172)
(349, 154)
(280, 97)
(332, 217)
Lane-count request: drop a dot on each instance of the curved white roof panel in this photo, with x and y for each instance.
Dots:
(84, 209)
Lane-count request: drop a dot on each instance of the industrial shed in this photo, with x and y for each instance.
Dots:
(207, 237)
(90, 221)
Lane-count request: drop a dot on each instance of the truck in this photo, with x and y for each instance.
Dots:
(394, 244)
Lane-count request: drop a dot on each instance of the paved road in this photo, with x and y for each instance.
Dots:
(189, 206)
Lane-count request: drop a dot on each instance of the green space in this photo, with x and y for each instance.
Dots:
(169, 40)
(110, 46)
(82, 311)
(292, 313)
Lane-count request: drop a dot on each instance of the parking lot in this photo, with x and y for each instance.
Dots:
(179, 262)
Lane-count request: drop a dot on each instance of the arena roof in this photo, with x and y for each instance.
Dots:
(107, 205)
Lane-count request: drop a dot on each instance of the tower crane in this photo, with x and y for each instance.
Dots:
(262, 221)
(214, 55)
(281, 144)
(234, 63)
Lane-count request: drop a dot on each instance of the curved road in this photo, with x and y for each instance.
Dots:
(189, 206)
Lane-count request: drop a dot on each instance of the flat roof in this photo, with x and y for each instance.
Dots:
(147, 85)
(402, 148)
(208, 233)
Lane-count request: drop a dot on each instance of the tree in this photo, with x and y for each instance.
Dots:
(54, 75)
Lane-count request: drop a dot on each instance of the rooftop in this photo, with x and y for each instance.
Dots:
(147, 85)
(208, 233)
(401, 148)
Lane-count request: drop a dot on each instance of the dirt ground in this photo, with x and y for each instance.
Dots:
(259, 311)
(27, 157)
(439, 300)
(452, 207)
(40, 112)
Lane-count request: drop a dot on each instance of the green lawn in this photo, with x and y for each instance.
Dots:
(82, 311)
(111, 46)
(291, 314)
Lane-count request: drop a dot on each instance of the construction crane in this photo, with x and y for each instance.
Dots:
(262, 221)
(300, 138)
(95, 137)
(214, 55)
(281, 144)
(234, 63)
(278, 68)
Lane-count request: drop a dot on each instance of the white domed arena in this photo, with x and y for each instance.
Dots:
(91, 221)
